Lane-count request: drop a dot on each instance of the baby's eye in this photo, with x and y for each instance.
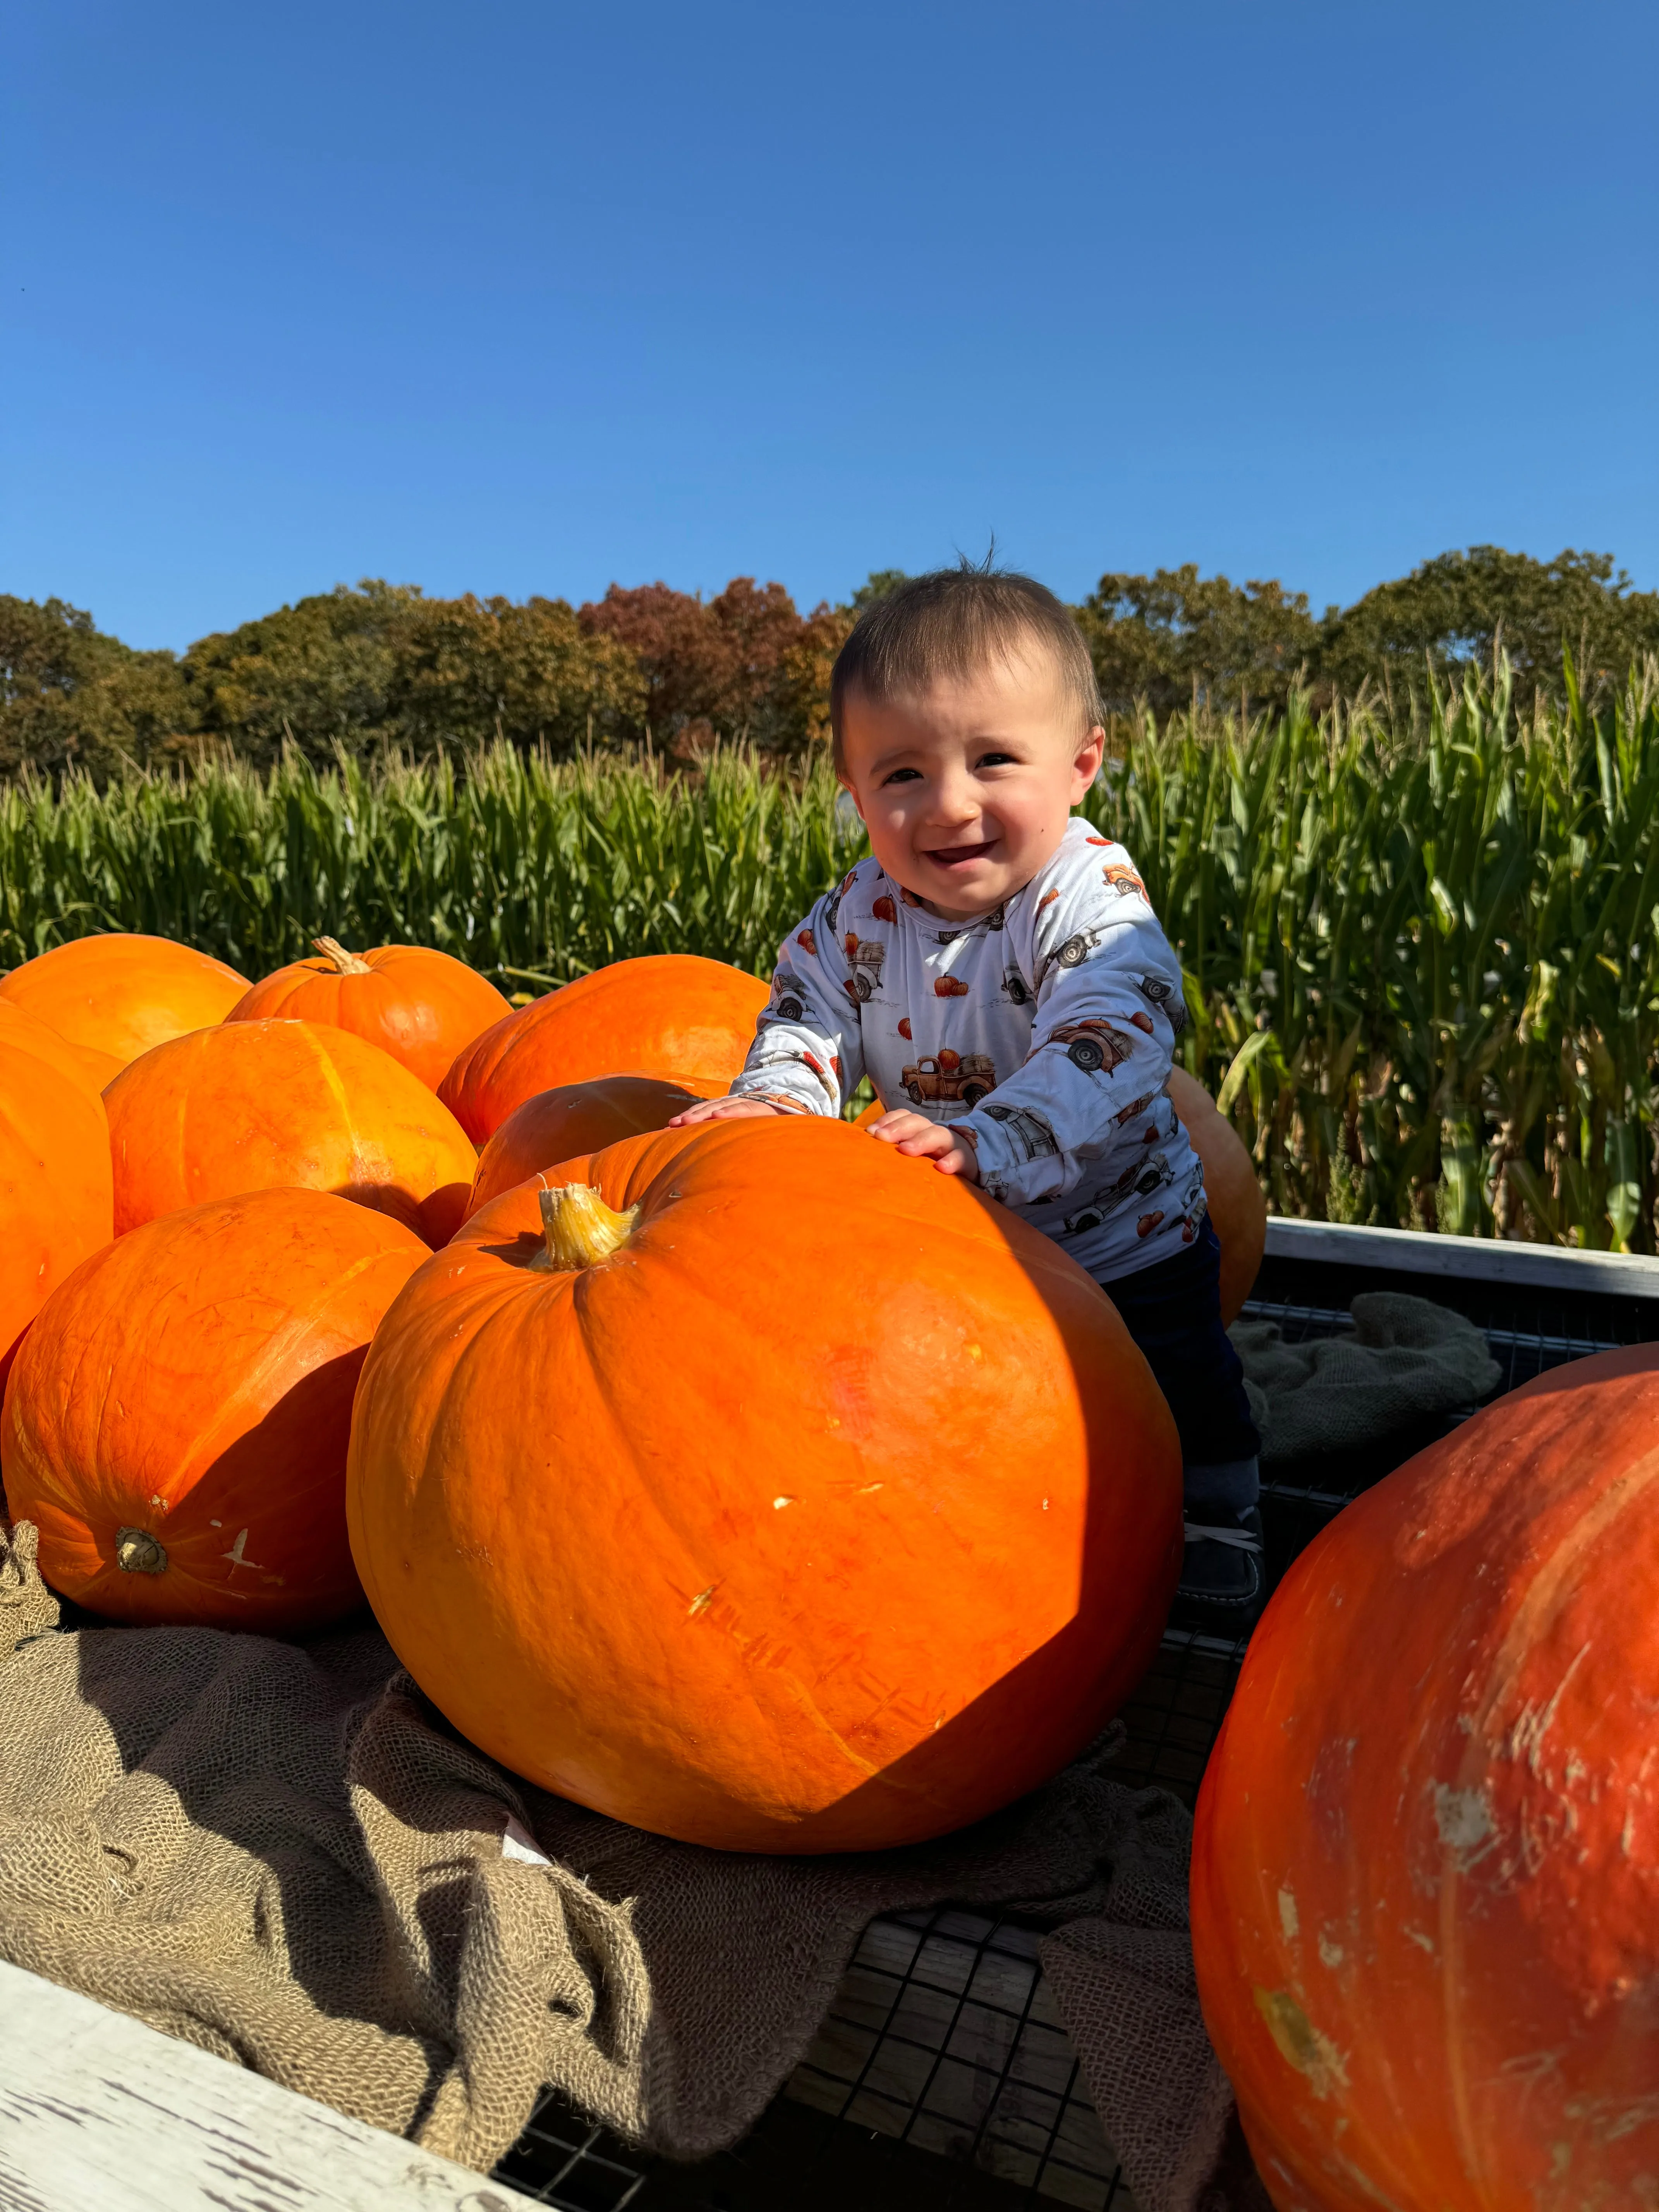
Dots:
(904, 775)
(995, 760)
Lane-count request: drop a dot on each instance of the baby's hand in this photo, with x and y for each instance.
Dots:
(723, 1109)
(926, 1140)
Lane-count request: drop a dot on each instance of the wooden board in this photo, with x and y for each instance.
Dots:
(100, 2114)
(1470, 1259)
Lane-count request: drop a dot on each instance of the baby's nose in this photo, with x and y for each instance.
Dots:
(956, 801)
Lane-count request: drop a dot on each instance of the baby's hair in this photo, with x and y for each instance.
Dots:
(953, 622)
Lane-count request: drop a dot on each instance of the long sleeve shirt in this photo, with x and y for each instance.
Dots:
(1043, 1032)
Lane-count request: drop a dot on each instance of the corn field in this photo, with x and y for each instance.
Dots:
(1421, 962)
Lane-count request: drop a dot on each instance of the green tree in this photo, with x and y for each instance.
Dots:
(318, 673)
(1174, 635)
(71, 696)
(473, 670)
(1459, 607)
(875, 587)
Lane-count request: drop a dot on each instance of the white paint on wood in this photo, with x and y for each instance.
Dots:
(1469, 1258)
(99, 2113)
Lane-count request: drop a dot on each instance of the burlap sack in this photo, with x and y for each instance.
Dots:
(280, 1853)
(1407, 1359)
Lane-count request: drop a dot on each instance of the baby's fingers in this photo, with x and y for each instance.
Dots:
(720, 1110)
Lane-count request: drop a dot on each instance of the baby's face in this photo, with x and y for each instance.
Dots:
(966, 788)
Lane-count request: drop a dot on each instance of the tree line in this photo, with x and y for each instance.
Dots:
(378, 665)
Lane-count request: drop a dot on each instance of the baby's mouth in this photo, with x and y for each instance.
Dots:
(960, 856)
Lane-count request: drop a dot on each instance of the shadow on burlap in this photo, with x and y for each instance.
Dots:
(1406, 1360)
(281, 1853)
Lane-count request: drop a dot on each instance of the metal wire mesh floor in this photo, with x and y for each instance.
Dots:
(941, 2081)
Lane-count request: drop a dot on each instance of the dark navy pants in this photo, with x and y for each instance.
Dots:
(1173, 1311)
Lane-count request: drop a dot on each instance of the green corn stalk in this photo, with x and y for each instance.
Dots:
(1422, 962)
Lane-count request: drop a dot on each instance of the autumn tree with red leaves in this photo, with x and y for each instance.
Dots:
(743, 664)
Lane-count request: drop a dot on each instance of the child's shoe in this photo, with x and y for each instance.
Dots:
(1222, 1582)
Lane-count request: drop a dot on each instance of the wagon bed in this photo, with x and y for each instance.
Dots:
(941, 2081)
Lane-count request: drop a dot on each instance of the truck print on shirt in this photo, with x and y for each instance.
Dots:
(1052, 1067)
(789, 997)
(1095, 1047)
(949, 1077)
(1138, 1180)
(864, 956)
(1030, 1130)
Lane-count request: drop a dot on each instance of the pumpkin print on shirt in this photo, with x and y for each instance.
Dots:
(1043, 1032)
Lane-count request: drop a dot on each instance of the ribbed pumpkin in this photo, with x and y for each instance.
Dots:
(257, 1105)
(24, 1032)
(765, 1488)
(176, 1423)
(120, 994)
(1237, 1207)
(1427, 1846)
(687, 1020)
(55, 1188)
(420, 1006)
(563, 1124)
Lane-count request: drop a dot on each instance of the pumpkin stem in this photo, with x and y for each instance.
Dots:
(137, 1552)
(581, 1229)
(345, 963)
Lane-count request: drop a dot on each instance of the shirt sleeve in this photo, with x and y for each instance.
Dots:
(1108, 1007)
(808, 1053)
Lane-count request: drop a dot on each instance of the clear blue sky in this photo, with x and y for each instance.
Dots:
(527, 298)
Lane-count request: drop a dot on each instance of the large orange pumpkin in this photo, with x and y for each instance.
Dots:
(563, 1124)
(765, 1488)
(420, 1006)
(1237, 1207)
(55, 1188)
(255, 1105)
(118, 995)
(176, 1423)
(687, 1020)
(1427, 1848)
(25, 1032)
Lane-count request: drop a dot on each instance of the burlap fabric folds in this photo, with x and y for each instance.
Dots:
(1405, 1360)
(281, 1854)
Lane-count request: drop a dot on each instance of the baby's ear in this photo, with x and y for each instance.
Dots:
(1085, 764)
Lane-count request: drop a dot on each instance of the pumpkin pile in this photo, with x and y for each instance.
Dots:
(745, 1481)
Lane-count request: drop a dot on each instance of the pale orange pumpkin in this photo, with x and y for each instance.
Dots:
(684, 1019)
(176, 1423)
(420, 1006)
(1238, 1207)
(117, 995)
(56, 1196)
(258, 1105)
(25, 1032)
(562, 1124)
(761, 1487)
(1427, 1846)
